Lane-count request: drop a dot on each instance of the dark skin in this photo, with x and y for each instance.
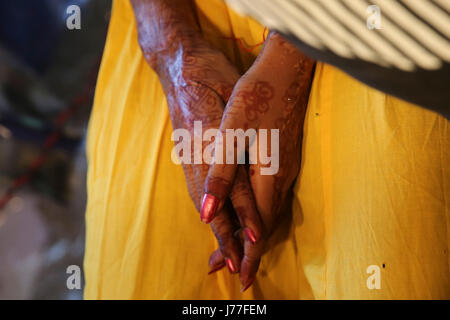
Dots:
(198, 82)
(272, 94)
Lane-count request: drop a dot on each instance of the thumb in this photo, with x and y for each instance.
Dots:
(222, 171)
(217, 188)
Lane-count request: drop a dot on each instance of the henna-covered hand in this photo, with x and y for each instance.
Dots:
(273, 94)
(197, 81)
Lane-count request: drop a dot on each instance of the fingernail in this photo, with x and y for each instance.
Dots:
(209, 208)
(248, 285)
(250, 235)
(230, 265)
(216, 268)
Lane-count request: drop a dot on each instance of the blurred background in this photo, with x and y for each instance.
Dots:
(47, 82)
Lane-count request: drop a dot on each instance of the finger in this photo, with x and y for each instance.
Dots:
(230, 247)
(220, 77)
(245, 206)
(216, 261)
(240, 235)
(250, 263)
(231, 142)
(272, 194)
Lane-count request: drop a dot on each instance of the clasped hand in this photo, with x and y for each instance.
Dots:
(241, 205)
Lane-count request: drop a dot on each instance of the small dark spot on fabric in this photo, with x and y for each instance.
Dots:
(317, 114)
(384, 265)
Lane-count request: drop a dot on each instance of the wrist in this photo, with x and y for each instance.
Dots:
(164, 28)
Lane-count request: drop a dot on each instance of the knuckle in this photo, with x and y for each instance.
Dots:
(217, 186)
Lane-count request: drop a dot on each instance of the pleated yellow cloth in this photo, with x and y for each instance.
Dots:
(372, 194)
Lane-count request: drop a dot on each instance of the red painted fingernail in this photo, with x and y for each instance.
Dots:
(209, 208)
(230, 265)
(216, 268)
(250, 235)
(248, 285)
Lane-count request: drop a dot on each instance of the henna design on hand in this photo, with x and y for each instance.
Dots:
(256, 100)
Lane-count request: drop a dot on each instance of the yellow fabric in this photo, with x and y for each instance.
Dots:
(373, 189)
